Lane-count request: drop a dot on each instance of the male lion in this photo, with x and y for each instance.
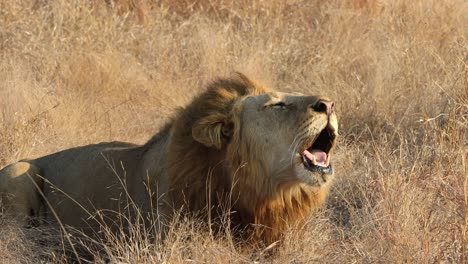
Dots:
(263, 154)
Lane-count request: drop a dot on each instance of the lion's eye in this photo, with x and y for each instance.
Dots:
(279, 105)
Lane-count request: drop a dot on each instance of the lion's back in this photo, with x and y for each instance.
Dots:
(86, 177)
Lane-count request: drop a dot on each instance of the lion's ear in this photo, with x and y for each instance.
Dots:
(212, 131)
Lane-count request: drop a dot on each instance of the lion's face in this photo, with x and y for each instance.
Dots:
(290, 136)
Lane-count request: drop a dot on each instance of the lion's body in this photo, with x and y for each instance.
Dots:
(211, 157)
(105, 163)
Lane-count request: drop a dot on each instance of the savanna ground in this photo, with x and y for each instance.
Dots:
(79, 72)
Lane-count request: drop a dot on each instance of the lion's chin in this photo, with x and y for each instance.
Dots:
(315, 175)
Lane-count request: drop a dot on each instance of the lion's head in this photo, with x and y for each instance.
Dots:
(269, 152)
(287, 138)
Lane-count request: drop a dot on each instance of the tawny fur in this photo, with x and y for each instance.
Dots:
(203, 161)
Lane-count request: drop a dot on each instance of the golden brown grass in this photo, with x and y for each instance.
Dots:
(78, 72)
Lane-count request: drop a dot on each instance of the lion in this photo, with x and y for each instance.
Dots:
(265, 155)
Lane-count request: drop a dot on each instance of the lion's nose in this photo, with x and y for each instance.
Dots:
(324, 106)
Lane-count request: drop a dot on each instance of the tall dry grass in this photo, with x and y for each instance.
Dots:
(78, 72)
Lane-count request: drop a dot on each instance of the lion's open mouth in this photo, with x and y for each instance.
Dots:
(316, 156)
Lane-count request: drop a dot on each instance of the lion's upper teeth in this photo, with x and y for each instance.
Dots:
(317, 157)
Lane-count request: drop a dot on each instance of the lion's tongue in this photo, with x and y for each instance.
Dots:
(317, 157)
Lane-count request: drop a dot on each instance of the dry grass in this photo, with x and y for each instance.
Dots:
(78, 72)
